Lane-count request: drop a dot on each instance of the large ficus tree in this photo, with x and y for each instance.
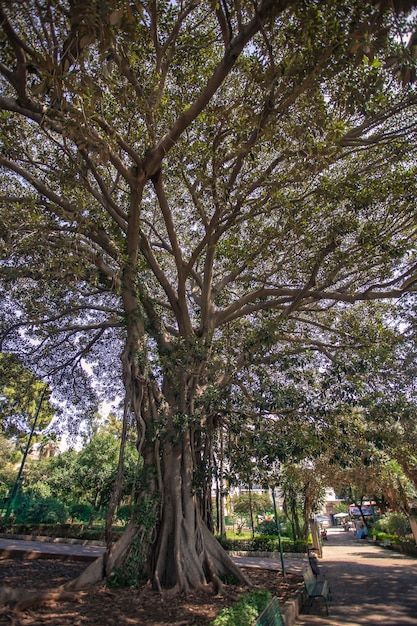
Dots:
(206, 183)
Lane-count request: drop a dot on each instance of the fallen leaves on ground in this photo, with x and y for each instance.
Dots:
(124, 607)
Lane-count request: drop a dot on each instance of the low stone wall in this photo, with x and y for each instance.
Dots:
(404, 548)
(291, 609)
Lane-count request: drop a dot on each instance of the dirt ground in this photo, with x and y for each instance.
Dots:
(123, 607)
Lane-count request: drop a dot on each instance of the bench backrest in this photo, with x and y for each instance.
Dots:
(271, 615)
(314, 564)
(309, 579)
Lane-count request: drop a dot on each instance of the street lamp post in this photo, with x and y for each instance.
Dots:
(22, 465)
(278, 528)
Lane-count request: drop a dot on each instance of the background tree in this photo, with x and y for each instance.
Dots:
(9, 457)
(85, 476)
(251, 505)
(370, 431)
(53, 477)
(199, 185)
(303, 491)
(20, 395)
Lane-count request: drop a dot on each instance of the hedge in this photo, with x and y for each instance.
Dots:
(262, 543)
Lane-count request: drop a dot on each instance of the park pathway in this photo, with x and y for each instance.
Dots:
(17, 547)
(370, 585)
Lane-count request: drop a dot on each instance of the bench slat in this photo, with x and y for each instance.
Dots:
(271, 615)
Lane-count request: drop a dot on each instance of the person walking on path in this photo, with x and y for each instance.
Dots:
(370, 585)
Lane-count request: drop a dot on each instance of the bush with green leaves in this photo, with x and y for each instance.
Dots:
(394, 524)
(81, 512)
(246, 610)
(263, 544)
(267, 527)
(124, 513)
(382, 537)
(40, 511)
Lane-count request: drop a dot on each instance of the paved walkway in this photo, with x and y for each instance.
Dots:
(20, 548)
(371, 586)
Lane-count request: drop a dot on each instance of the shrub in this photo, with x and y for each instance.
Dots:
(394, 524)
(266, 543)
(267, 527)
(41, 511)
(382, 537)
(124, 513)
(81, 512)
(246, 610)
(299, 546)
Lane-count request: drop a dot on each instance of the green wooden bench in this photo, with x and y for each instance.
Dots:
(271, 615)
(316, 589)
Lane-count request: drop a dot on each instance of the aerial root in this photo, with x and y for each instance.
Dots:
(214, 579)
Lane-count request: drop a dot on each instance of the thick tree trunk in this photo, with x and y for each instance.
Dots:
(187, 556)
(177, 551)
(167, 541)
